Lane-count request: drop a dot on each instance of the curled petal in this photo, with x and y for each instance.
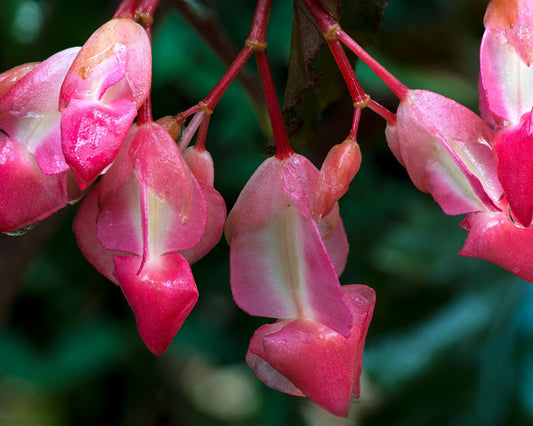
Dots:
(26, 194)
(161, 296)
(106, 84)
(494, 237)
(92, 135)
(85, 229)
(216, 217)
(28, 110)
(305, 358)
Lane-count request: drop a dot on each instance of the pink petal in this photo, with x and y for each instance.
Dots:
(10, 77)
(494, 237)
(161, 296)
(283, 271)
(305, 358)
(26, 194)
(513, 146)
(28, 111)
(92, 135)
(119, 226)
(200, 163)
(119, 50)
(506, 79)
(446, 150)
(337, 247)
(216, 217)
(84, 227)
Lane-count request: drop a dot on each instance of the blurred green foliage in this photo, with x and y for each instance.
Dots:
(451, 342)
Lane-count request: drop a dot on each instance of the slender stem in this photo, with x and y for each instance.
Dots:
(354, 87)
(399, 89)
(214, 96)
(283, 146)
(355, 123)
(202, 134)
(144, 14)
(256, 40)
(331, 29)
(190, 130)
(213, 32)
(382, 112)
(145, 112)
(126, 9)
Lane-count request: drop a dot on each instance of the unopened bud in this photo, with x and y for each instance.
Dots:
(339, 168)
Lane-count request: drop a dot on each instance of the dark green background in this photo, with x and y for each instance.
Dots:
(451, 342)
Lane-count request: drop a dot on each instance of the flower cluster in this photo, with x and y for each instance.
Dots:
(149, 209)
(480, 165)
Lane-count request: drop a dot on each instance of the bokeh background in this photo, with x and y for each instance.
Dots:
(451, 341)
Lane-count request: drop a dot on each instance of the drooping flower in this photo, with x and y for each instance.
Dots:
(141, 224)
(288, 247)
(35, 180)
(107, 83)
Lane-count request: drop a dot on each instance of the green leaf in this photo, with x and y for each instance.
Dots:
(313, 81)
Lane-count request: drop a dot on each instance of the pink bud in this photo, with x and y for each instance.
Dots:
(339, 168)
(107, 83)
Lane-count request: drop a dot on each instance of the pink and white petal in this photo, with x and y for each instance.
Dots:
(161, 296)
(283, 271)
(84, 227)
(26, 194)
(10, 77)
(338, 247)
(260, 198)
(159, 166)
(494, 237)
(506, 79)
(446, 150)
(216, 217)
(92, 135)
(257, 360)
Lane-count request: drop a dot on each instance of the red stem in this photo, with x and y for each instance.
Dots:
(214, 96)
(256, 40)
(331, 29)
(126, 9)
(145, 112)
(354, 87)
(382, 112)
(355, 123)
(283, 146)
(399, 89)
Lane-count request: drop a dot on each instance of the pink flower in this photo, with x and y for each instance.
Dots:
(35, 180)
(288, 247)
(140, 225)
(107, 83)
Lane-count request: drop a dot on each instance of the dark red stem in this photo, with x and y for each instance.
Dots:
(145, 112)
(283, 146)
(126, 9)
